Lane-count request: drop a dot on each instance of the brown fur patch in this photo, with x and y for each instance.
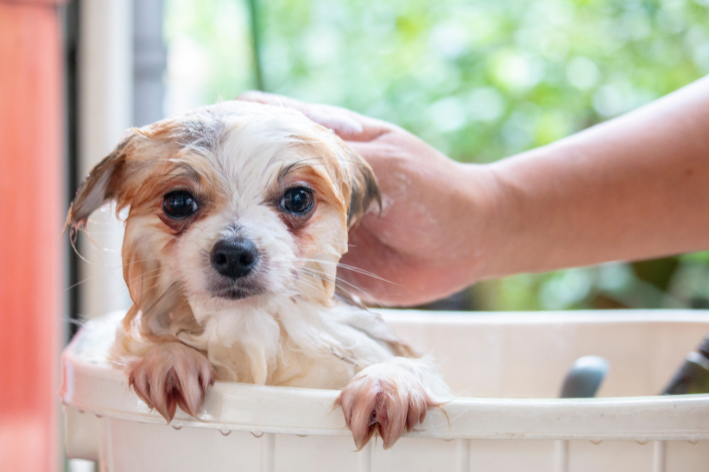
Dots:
(99, 186)
(364, 189)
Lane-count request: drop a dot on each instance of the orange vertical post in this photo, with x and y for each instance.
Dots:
(31, 203)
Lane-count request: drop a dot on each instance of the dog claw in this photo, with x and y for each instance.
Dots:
(172, 375)
(378, 404)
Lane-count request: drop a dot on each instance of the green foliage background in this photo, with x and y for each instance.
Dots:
(479, 80)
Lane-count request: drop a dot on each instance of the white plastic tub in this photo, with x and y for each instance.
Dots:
(506, 369)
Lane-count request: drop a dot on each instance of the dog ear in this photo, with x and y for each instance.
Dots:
(364, 189)
(100, 186)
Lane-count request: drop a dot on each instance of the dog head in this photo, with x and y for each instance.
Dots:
(232, 203)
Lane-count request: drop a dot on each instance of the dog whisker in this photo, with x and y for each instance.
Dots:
(334, 282)
(350, 268)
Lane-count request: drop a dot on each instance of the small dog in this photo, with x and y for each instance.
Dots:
(238, 216)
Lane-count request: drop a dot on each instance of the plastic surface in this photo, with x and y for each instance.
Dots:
(506, 370)
(584, 378)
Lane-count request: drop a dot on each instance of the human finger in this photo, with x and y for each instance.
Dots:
(347, 124)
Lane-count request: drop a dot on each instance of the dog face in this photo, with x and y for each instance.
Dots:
(232, 203)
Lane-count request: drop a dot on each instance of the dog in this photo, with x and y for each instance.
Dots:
(238, 216)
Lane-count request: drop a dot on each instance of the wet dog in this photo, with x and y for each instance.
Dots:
(238, 216)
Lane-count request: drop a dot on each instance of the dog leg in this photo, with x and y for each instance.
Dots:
(388, 398)
(172, 374)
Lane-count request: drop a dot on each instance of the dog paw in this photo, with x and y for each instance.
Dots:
(385, 400)
(172, 374)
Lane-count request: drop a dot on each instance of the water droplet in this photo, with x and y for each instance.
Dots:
(642, 443)
(176, 427)
(302, 435)
(692, 442)
(256, 434)
(225, 432)
(596, 442)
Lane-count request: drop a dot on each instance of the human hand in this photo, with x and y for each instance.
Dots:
(435, 230)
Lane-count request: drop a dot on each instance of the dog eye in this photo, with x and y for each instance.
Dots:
(297, 200)
(179, 205)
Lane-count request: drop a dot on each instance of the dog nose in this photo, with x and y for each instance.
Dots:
(234, 258)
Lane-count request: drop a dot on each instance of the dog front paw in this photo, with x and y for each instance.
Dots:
(384, 399)
(172, 374)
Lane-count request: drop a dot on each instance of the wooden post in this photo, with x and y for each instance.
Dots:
(32, 203)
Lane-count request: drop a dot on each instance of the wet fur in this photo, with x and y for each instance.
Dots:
(290, 329)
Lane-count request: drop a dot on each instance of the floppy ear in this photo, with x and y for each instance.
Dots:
(100, 186)
(364, 189)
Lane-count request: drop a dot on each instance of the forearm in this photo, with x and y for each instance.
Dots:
(635, 187)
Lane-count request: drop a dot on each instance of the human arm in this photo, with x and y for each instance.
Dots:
(631, 188)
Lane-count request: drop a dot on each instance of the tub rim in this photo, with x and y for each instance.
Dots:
(99, 389)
